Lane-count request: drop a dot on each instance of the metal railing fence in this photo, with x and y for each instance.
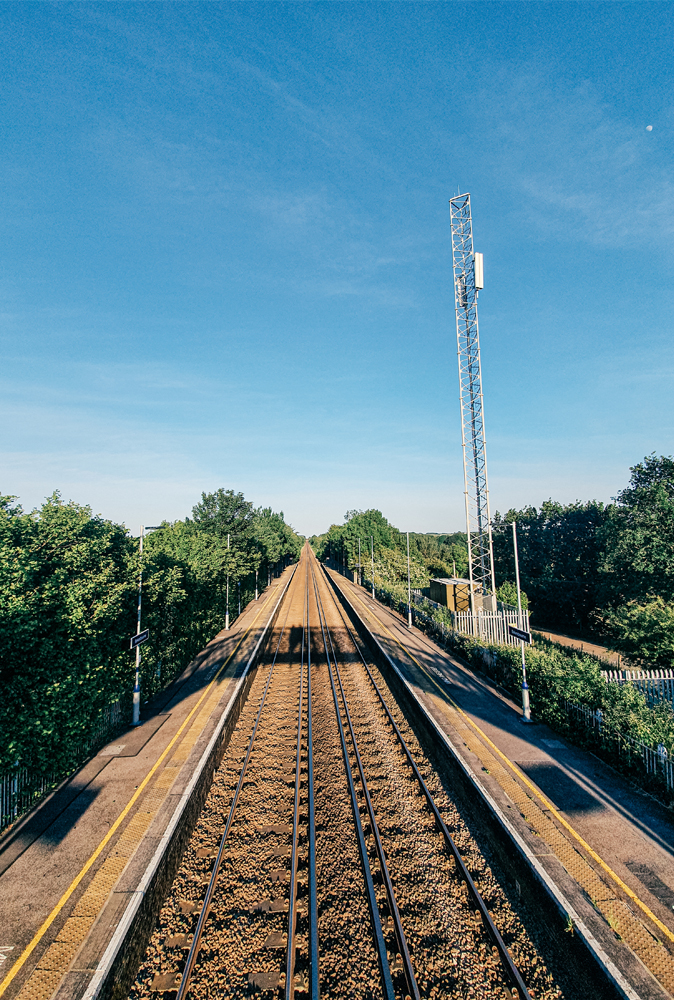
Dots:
(634, 756)
(655, 685)
(21, 788)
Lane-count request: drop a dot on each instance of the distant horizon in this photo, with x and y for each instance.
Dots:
(134, 531)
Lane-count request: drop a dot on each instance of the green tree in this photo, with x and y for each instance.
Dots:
(225, 521)
(507, 593)
(67, 597)
(68, 592)
(638, 535)
(430, 555)
(273, 539)
(443, 555)
(643, 632)
(560, 550)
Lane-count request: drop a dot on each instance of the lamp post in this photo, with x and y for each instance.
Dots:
(238, 585)
(360, 575)
(227, 605)
(409, 589)
(372, 554)
(257, 565)
(526, 710)
(135, 721)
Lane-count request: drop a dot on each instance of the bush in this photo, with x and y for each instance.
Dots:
(555, 674)
(67, 595)
(507, 594)
(68, 599)
(643, 632)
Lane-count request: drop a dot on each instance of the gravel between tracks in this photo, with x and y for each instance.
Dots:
(245, 936)
(256, 866)
(348, 960)
(443, 934)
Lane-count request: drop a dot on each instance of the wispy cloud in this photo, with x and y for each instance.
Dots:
(583, 171)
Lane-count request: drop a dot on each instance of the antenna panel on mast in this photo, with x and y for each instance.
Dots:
(468, 278)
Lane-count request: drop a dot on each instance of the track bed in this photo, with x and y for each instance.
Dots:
(330, 858)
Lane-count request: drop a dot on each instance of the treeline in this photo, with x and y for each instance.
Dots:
(430, 555)
(602, 568)
(68, 604)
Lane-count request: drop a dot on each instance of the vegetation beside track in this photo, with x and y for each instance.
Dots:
(557, 675)
(430, 555)
(68, 598)
(601, 571)
(606, 569)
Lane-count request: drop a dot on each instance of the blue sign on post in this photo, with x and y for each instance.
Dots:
(519, 633)
(137, 639)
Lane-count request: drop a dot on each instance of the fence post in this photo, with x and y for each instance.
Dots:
(15, 791)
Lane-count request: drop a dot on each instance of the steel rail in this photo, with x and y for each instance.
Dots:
(292, 901)
(313, 897)
(403, 950)
(203, 915)
(509, 967)
(371, 895)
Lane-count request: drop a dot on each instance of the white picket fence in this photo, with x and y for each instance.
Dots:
(655, 685)
(491, 626)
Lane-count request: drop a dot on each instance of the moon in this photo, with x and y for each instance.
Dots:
(649, 128)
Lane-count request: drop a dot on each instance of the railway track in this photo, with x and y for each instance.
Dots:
(329, 859)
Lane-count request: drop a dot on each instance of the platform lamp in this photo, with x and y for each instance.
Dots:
(227, 604)
(257, 565)
(372, 555)
(526, 710)
(409, 589)
(136, 686)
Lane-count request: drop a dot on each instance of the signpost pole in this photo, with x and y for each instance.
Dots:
(526, 710)
(136, 686)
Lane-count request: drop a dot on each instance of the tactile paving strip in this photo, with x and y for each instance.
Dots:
(45, 978)
(616, 911)
(44, 983)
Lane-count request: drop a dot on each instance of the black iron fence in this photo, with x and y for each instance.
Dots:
(22, 788)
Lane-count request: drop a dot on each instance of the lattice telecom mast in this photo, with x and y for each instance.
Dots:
(468, 279)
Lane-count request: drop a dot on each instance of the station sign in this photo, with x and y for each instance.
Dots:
(140, 637)
(519, 633)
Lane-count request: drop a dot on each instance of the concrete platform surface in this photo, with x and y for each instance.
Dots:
(68, 869)
(607, 845)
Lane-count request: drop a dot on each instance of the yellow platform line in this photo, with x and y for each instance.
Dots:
(28, 950)
(525, 780)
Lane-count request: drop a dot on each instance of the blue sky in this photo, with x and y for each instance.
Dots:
(226, 258)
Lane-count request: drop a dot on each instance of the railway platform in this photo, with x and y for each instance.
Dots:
(77, 870)
(605, 849)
